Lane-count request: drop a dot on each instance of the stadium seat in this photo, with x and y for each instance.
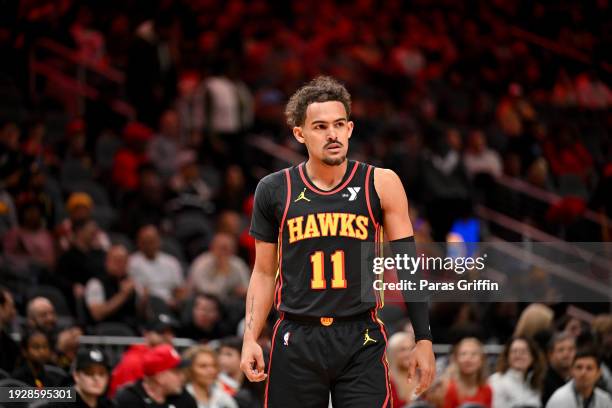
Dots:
(113, 329)
(11, 382)
(54, 295)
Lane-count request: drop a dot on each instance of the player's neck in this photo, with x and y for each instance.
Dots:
(324, 176)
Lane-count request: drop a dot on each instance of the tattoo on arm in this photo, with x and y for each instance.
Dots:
(251, 314)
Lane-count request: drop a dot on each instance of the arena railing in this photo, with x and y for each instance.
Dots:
(47, 56)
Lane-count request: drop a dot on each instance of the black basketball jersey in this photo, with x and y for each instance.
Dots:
(319, 235)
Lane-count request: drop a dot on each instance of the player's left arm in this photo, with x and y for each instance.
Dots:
(397, 226)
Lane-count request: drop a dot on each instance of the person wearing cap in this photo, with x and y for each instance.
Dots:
(80, 207)
(90, 375)
(157, 331)
(162, 385)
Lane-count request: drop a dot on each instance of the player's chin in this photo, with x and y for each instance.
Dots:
(334, 159)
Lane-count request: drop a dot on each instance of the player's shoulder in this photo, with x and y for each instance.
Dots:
(274, 180)
(383, 176)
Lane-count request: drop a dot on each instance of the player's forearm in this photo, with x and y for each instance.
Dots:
(260, 296)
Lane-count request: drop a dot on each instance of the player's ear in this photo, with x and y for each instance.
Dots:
(298, 134)
(351, 126)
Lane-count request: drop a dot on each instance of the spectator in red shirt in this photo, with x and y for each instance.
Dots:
(567, 155)
(129, 158)
(130, 368)
(467, 376)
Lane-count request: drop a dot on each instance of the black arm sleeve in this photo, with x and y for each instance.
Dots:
(264, 223)
(418, 311)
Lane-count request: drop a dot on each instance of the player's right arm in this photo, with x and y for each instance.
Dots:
(260, 296)
(265, 223)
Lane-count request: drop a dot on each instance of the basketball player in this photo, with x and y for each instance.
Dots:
(309, 222)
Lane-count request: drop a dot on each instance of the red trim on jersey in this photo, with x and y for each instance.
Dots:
(384, 357)
(279, 286)
(335, 190)
(377, 254)
(367, 195)
(278, 322)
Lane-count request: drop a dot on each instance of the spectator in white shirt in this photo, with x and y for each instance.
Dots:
(520, 371)
(156, 273)
(478, 158)
(581, 391)
(219, 271)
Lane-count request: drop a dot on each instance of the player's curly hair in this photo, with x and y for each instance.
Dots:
(320, 89)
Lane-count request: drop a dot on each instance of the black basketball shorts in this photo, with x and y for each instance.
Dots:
(311, 358)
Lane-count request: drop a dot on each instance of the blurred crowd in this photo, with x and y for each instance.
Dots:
(139, 227)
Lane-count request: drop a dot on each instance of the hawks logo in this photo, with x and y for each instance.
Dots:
(328, 225)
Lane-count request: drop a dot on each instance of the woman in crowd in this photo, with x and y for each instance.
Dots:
(202, 379)
(519, 376)
(36, 353)
(466, 376)
(400, 345)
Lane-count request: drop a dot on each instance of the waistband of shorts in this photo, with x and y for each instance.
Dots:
(320, 320)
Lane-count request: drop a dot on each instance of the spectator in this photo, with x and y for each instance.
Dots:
(128, 159)
(67, 346)
(535, 322)
(520, 370)
(10, 349)
(191, 191)
(80, 208)
(162, 383)
(164, 147)
(231, 378)
(90, 375)
(36, 353)
(31, 239)
(467, 376)
(447, 185)
(205, 321)
(479, 159)
(41, 315)
(581, 391)
(158, 331)
(402, 387)
(156, 273)
(64, 342)
(566, 154)
(602, 328)
(561, 351)
(233, 193)
(202, 382)
(80, 263)
(145, 205)
(112, 297)
(219, 271)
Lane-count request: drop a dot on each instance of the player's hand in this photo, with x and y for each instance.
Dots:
(252, 362)
(422, 358)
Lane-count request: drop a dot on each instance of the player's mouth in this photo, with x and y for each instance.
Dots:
(334, 147)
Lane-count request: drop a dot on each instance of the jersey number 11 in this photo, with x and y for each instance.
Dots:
(318, 270)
